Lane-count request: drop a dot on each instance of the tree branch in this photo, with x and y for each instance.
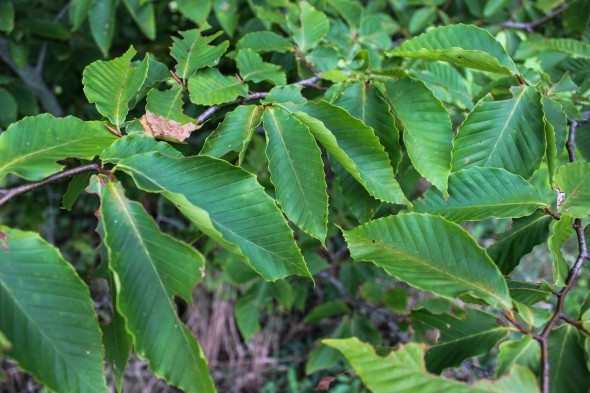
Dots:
(529, 26)
(571, 279)
(31, 77)
(365, 308)
(252, 96)
(10, 193)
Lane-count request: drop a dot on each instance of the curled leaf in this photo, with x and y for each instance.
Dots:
(324, 384)
(168, 130)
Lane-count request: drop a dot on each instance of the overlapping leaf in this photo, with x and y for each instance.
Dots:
(575, 48)
(131, 145)
(48, 315)
(193, 52)
(366, 103)
(567, 361)
(560, 232)
(253, 68)
(460, 338)
(297, 171)
(525, 351)
(313, 27)
(428, 135)
(511, 246)
(555, 131)
(464, 45)
(264, 41)
(573, 186)
(168, 104)
(477, 193)
(210, 87)
(151, 268)
(142, 13)
(234, 133)
(507, 134)
(226, 203)
(111, 85)
(102, 23)
(431, 254)
(354, 145)
(403, 371)
(31, 147)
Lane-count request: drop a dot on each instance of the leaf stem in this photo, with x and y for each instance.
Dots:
(529, 26)
(309, 82)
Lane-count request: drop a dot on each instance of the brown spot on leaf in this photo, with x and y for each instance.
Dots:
(3, 238)
(168, 130)
(324, 384)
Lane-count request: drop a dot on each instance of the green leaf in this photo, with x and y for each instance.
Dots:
(6, 16)
(422, 18)
(477, 193)
(142, 13)
(403, 370)
(567, 361)
(507, 134)
(78, 12)
(560, 232)
(248, 308)
(366, 103)
(314, 25)
(102, 23)
(264, 41)
(197, 11)
(573, 186)
(131, 145)
(112, 84)
(446, 82)
(361, 204)
(30, 147)
(575, 48)
(460, 338)
(234, 133)
(526, 351)
(297, 172)
(193, 52)
(116, 339)
(210, 87)
(325, 310)
(168, 104)
(8, 114)
(48, 315)
(253, 68)
(227, 204)
(227, 15)
(511, 246)
(529, 292)
(150, 268)
(354, 145)
(555, 131)
(76, 186)
(431, 254)
(428, 135)
(464, 45)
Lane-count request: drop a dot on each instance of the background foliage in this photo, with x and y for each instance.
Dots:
(263, 149)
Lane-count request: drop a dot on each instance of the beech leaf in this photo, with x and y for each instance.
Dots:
(168, 130)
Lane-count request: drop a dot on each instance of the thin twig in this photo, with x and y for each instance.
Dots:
(304, 61)
(529, 26)
(365, 308)
(576, 324)
(252, 96)
(32, 78)
(571, 149)
(571, 279)
(8, 194)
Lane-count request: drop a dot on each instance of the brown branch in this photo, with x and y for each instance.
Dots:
(252, 96)
(10, 193)
(571, 279)
(304, 61)
(518, 325)
(32, 78)
(576, 324)
(529, 26)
